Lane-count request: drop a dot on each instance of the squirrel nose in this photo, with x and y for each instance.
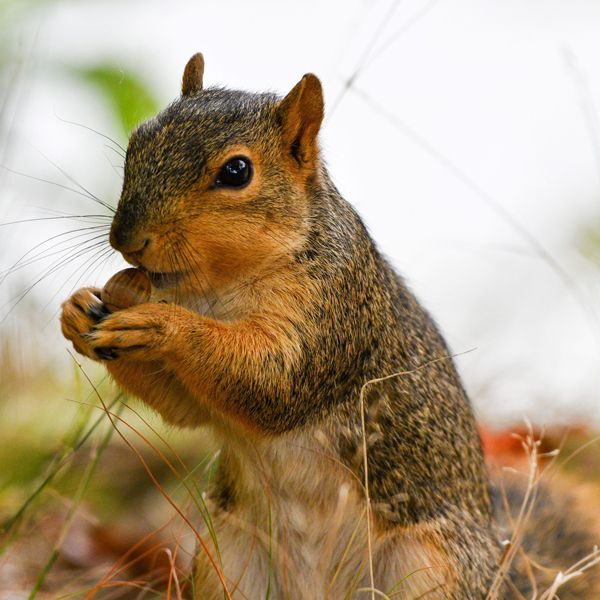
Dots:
(133, 245)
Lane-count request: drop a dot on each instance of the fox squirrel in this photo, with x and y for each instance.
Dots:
(271, 308)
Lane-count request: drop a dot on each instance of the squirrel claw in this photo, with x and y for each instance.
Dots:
(97, 312)
(105, 353)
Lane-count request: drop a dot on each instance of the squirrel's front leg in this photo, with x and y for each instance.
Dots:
(150, 380)
(160, 388)
(240, 368)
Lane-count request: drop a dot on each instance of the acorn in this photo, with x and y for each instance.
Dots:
(126, 288)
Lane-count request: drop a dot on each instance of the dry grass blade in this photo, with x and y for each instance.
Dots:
(366, 476)
(159, 487)
(578, 569)
(374, 592)
(531, 446)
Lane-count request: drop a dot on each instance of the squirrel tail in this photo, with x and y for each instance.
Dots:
(560, 535)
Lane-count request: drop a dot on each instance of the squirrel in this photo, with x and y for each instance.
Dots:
(275, 321)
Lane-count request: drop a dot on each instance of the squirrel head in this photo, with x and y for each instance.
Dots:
(218, 184)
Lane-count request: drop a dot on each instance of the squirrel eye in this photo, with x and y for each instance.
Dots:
(236, 173)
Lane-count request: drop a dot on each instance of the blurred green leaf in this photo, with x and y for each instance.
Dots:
(589, 242)
(130, 99)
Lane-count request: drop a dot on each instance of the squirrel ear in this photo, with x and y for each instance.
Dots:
(301, 113)
(192, 75)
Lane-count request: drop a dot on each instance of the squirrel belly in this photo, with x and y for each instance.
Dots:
(275, 321)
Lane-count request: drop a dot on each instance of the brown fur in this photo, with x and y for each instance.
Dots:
(279, 309)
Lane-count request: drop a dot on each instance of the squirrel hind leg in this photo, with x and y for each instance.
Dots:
(414, 568)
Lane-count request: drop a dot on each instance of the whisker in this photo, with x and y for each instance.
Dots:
(196, 270)
(187, 253)
(41, 255)
(173, 266)
(60, 185)
(74, 181)
(62, 252)
(54, 211)
(97, 254)
(179, 259)
(56, 266)
(69, 258)
(112, 165)
(102, 259)
(87, 267)
(90, 262)
(109, 147)
(106, 137)
(279, 239)
(82, 218)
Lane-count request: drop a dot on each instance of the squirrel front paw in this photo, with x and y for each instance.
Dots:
(80, 315)
(145, 332)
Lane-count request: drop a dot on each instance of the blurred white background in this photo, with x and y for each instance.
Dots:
(466, 134)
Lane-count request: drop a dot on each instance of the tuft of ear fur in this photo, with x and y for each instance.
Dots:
(192, 75)
(301, 114)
